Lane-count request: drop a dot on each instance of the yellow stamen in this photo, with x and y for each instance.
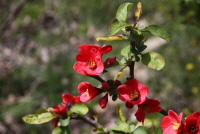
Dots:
(175, 125)
(91, 64)
(87, 93)
(134, 95)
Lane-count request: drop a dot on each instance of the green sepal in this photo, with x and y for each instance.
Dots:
(114, 97)
(153, 60)
(122, 12)
(158, 31)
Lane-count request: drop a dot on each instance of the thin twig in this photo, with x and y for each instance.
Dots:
(164, 112)
(97, 78)
(93, 123)
(12, 16)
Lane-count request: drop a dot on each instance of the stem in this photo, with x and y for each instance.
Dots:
(93, 123)
(164, 112)
(97, 78)
(132, 64)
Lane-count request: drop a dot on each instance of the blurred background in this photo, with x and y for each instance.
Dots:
(38, 45)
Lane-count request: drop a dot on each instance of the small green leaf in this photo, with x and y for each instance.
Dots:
(124, 127)
(79, 108)
(117, 26)
(39, 118)
(57, 130)
(140, 130)
(153, 60)
(61, 130)
(120, 73)
(122, 12)
(101, 130)
(138, 12)
(120, 113)
(158, 31)
(64, 122)
(125, 51)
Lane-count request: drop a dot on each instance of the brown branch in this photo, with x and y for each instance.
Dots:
(93, 123)
(12, 16)
(164, 112)
(97, 78)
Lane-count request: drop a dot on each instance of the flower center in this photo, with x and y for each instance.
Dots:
(134, 95)
(87, 93)
(194, 129)
(175, 125)
(91, 64)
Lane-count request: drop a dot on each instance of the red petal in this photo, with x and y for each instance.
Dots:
(103, 101)
(105, 49)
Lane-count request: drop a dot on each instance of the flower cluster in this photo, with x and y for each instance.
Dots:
(172, 123)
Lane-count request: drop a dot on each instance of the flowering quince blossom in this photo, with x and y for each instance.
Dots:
(192, 124)
(148, 106)
(132, 92)
(68, 98)
(60, 110)
(172, 124)
(109, 62)
(103, 101)
(87, 91)
(89, 59)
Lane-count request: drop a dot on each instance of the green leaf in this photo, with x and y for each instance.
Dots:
(120, 114)
(125, 51)
(57, 130)
(117, 26)
(79, 108)
(153, 60)
(120, 73)
(64, 122)
(140, 130)
(122, 12)
(138, 12)
(111, 38)
(43, 110)
(101, 130)
(39, 118)
(158, 31)
(124, 127)
(61, 130)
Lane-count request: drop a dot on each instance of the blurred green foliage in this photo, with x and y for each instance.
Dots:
(38, 50)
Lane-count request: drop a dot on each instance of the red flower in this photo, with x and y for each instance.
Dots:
(68, 98)
(60, 110)
(148, 106)
(87, 91)
(109, 62)
(103, 101)
(192, 124)
(132, 92)
(172, 124)
(89, 59)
